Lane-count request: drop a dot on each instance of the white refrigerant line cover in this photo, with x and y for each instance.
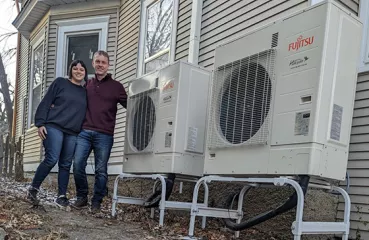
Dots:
(282, 97)
(166, 121)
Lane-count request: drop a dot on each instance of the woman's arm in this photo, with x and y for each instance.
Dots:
(45, 104)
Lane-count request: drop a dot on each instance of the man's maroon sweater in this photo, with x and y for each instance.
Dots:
(102, 99)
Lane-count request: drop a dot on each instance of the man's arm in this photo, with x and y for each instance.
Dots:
(45, 104)
(123, 97)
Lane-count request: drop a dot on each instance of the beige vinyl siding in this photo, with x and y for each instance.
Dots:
(183, 29)
(126, 65)
(32, 150)
(32, 142)
(352, 5)
(225, 20)
(22, 86)
(358, 165)
(128, 36)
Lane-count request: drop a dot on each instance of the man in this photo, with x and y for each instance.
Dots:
(103, 95)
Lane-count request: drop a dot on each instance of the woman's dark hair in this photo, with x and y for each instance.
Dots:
(73, 64)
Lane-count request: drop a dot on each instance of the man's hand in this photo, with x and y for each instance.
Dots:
(42, 132)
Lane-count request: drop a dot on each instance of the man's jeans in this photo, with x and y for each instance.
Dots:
(101, 144)
(60, 147)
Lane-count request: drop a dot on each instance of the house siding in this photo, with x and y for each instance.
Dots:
(352, 5)
(22, 86)
(358, 164)
(126, 66)
(32, 142)
(183, 29)
(225, 20)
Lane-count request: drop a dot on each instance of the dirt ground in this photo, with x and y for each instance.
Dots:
(21, 222)
(133, 222)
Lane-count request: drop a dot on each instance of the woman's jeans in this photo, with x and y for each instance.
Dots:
(59, 147)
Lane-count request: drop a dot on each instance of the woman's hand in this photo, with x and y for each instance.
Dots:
(42, 132)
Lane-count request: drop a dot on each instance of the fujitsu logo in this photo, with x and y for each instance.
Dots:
(301, 42)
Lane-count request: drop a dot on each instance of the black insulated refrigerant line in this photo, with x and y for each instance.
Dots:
(154, 199)
(288, 205)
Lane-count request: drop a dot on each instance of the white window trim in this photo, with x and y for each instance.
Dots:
(312, 2)
(364, 52)
(141, 44)
(79, 26)
(24, 114)
(37, 42)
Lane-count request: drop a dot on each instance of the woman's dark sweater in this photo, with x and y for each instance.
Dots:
(63, 107)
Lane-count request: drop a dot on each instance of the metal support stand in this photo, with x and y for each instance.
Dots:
(163, 203)
(299, 227)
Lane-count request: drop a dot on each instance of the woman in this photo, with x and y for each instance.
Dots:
(59, 119)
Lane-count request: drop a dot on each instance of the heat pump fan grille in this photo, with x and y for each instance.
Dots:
(241, 97)
(143, 119)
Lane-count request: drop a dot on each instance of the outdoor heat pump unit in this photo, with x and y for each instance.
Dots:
(282, 97)
(166, 121)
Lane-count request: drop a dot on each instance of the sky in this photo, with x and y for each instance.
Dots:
(8, 13)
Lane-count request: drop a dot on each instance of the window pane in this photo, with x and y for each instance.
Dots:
(37, 65)
(36, 99)
(82, 48)
(159, 27)
(157, 63)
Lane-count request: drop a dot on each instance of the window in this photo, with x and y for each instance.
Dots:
(80, 39)
(157, 37)
(82, 47)
(36, 77)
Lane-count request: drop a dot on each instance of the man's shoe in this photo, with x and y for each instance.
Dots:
(62, 201)
(80, 203)
(95, 207)
(32, 196)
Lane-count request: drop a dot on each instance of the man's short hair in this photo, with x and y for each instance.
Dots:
(102, 53)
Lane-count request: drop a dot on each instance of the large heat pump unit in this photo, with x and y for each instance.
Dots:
(166, 121)
(282, 97)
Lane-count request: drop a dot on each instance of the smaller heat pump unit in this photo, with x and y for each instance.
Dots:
(282, 97)
(166, 121)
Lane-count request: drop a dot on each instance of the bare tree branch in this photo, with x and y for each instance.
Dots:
(7, 35)
(4, 86)
(8, 53)
(6, 89)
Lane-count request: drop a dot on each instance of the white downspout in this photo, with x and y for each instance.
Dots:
(194, 45)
